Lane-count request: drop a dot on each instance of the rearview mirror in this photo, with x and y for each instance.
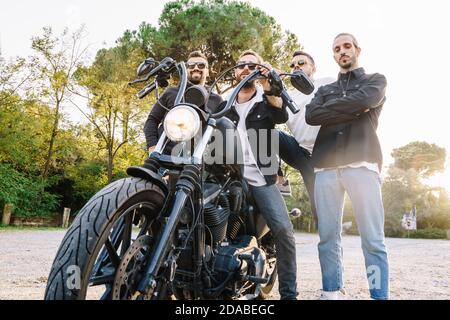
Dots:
(146, 66)
(302, 83)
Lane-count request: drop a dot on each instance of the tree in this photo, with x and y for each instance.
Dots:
(427, 159)
(46, 159)
(13, 75)
(25, 193)
(23, 128)
(113, 109)
(403, 188)
(221, 29)
(56, 60)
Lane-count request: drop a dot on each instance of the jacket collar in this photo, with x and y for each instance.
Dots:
(357, 73)
(257, 97)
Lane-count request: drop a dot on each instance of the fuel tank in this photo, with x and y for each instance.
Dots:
(225, 147)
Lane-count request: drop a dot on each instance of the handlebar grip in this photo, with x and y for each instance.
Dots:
(144, 92)
(289, 102)
(135, 81)
(252, 76)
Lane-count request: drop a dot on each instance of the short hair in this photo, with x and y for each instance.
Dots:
(303, 53)
(197, 54)
(355, 42)
(250, 52)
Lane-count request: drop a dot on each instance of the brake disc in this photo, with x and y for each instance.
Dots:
(131, 270)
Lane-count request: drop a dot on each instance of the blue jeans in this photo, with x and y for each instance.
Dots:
(270, 203)
(299, 159)
(364, 189)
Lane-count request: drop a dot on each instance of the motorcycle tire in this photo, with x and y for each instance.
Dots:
(90, 230)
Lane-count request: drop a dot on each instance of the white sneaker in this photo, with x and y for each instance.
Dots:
(333, 295)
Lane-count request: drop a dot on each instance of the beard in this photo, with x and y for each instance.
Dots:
(248, 85)
(347, 63)
(196, 79)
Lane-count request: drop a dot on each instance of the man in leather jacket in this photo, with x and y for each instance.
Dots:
(347, 158)
(198, 71)
(255, 113)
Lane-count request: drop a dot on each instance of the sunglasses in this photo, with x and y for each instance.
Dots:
(299, 63)
(242, 64)
(200, 65)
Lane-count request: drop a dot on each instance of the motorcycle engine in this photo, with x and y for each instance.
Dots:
(234, 259)
(222, 221)
(235, 255)
(222, 212)
(241, 260)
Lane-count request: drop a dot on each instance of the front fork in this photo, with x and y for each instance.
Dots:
(187, 184)
(164, 244)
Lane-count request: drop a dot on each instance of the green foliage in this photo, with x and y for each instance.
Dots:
(23, 125)
(299, 199)
(27, 195)
(429, 233)
(10, 184)
(436, 212)
(426, 159)
(89, 177)
(76, 161)
(54, 65)
(23, 130)
(403, 189)
(221, 29)
(13, 75)
(392, 225)
(116, 115)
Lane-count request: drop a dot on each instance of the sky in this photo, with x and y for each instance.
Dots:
(404, 40)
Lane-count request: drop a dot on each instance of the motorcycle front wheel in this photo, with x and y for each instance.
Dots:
(93, 249)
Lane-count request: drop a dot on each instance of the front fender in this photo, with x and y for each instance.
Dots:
(149, 175)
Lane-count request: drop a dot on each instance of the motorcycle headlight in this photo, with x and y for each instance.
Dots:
(181, 124)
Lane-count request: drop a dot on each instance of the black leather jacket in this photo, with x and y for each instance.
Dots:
(348, 111)
(153, 128)
(263, 116)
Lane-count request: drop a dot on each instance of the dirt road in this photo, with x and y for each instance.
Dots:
(420, 269)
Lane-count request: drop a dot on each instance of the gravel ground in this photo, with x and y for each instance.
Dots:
(420, 269)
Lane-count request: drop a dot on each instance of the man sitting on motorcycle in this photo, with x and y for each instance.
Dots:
(197, 72)
(255, 113)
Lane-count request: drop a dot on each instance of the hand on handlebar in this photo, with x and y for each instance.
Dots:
(277, 87)
(265, 73)
(269, 74)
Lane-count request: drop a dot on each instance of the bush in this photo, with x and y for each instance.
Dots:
(28, 195)
(88, 178)
(353, 231)
(393, 226)
(430, 233)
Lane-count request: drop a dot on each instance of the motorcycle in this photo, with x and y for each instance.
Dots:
(179, 227)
